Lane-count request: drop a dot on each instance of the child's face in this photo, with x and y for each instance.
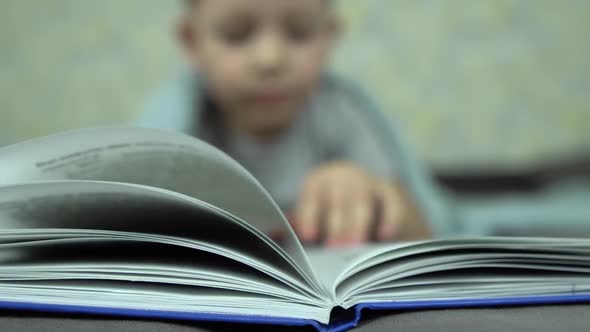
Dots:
(261, 58)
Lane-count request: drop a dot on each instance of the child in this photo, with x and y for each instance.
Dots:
(260, 93)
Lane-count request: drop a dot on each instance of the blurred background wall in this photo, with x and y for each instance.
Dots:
(475, 84)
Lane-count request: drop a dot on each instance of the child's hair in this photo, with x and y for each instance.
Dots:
(192, 3)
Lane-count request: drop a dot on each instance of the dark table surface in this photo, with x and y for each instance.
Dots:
(571, 318)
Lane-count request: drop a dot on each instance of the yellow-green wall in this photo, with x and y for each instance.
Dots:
(473, 82)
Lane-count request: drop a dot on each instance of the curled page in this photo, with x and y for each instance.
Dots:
(158, 159)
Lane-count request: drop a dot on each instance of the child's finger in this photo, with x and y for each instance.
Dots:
(391, 213)
(360, 218)
(307, 213)
(335, 219)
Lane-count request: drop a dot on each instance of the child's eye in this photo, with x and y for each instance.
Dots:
(300, 34)
(237, 36)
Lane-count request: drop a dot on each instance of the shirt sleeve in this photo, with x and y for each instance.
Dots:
(170, 107)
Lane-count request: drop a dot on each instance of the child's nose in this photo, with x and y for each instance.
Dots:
(270, 54)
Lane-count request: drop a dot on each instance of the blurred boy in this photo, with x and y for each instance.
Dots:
(260, 93)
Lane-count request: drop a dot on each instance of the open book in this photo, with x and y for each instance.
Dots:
(139, 222)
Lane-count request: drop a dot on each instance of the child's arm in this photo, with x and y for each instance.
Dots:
(356, 196)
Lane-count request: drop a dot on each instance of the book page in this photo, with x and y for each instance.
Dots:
(53, 251)
(331, 264)
(458, 268)
(164, 300)
(84, 210)
(159, 159)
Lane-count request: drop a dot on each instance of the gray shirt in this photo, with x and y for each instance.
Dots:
(333, 126)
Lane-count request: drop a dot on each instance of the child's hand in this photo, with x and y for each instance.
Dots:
(338, 204)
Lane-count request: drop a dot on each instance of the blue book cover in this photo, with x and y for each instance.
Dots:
(348, 321)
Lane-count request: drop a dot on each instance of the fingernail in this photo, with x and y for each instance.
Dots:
(334, 243)
(356, 240)
(308, 234)
(386, 232)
